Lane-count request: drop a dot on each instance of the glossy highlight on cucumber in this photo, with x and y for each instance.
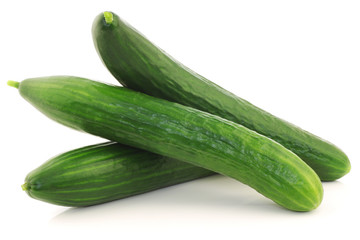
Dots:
(105, 172)
(180, 132)
(140, 65)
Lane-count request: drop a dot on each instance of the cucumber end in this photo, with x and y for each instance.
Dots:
(25, 186)
(108, 16)
(13, 84)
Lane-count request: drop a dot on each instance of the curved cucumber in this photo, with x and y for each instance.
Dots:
(173, 130)
(138, 64)
(105, 172)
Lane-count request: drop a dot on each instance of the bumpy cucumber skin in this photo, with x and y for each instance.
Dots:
(105, 172)
(176, 131)
(140, 65)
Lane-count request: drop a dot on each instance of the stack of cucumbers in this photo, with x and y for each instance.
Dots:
(165, 126)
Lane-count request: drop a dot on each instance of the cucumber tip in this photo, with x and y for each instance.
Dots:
(108, 16)
(13, 84)
(25, 186)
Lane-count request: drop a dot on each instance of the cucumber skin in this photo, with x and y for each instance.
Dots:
(176, 131)
(105, 172)
(140, 65)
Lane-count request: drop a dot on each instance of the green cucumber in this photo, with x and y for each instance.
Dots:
(176, 131)
(138, 64)
(105, 172)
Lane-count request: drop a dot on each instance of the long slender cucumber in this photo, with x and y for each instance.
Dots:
(105, 172)
(140, 65)
(176, 131)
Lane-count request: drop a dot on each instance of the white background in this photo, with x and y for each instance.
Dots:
(299, 60)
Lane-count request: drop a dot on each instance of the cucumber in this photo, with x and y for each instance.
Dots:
(138, 64)
(176, 131)
(105, 172)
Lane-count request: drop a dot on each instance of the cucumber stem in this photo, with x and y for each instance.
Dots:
(13, 84)
(25, 186)
(108, 17)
